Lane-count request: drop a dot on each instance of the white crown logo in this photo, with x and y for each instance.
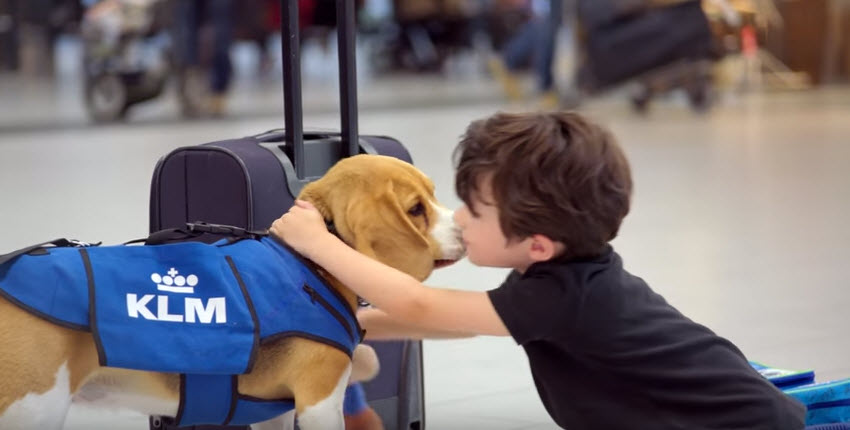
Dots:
(175, 283)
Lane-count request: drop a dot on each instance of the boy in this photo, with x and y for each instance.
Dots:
(544, 194)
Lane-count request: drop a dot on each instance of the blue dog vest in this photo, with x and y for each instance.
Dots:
(191, 308)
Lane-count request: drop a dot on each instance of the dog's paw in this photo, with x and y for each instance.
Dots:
(364, 364)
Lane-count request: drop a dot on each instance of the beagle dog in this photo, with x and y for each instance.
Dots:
(381, 206)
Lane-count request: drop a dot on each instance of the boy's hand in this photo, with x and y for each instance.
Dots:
(302, 228)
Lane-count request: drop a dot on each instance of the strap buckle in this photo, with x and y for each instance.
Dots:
(204, 227)
(225, 230)
(80, 244)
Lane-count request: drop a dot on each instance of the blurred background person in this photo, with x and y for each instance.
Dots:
(203, 36)
(37, 23)
(427, 33)
(533, 44)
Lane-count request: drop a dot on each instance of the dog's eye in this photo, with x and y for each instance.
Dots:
(417, 210)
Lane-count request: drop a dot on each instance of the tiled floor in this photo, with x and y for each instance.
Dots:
(740, 219)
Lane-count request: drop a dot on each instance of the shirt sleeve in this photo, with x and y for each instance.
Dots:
(537, 308)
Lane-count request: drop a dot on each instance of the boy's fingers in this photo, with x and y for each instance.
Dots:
(304, 204)
(298, 213)
(307, 211)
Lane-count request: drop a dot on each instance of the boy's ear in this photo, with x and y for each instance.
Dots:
(543, 248)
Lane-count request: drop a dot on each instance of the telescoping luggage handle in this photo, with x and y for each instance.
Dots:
(292, 101)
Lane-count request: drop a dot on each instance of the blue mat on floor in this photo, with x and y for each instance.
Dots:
(784, 378)
(839, 426)
(826, 402)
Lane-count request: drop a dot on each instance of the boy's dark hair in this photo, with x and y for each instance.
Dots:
(555, 174)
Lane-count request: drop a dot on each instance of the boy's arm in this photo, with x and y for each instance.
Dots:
(380, 326)
(404, 298)
(401, 296)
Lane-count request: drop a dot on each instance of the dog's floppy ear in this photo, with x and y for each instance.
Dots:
(356, 228)
(386, 234)
(333, 203)
(317, 193)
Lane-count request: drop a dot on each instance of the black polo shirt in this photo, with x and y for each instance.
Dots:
(607, 352)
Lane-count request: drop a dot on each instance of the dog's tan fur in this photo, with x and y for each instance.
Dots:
(368, 199)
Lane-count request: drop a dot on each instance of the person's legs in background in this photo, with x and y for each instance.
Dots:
(203, 62)
(535, 43)
(186, 29)
(515, 55)
(544, 56)
(358, 414)
(220, 14)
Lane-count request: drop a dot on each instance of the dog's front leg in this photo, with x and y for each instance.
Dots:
(283, 422)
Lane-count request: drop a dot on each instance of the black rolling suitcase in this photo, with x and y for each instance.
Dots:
(249, 182)
(630, 39)
(625, 42)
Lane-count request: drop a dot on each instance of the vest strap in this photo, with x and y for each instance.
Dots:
(58, 243)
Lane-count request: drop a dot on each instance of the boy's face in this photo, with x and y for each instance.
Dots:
(486, 244)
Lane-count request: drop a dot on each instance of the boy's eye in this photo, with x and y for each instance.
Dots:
(417, 210)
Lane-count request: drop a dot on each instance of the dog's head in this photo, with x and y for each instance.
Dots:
(385, 208)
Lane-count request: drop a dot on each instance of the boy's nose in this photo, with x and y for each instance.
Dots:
(458, 217)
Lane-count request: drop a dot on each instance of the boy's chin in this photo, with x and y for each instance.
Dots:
(483, 262)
